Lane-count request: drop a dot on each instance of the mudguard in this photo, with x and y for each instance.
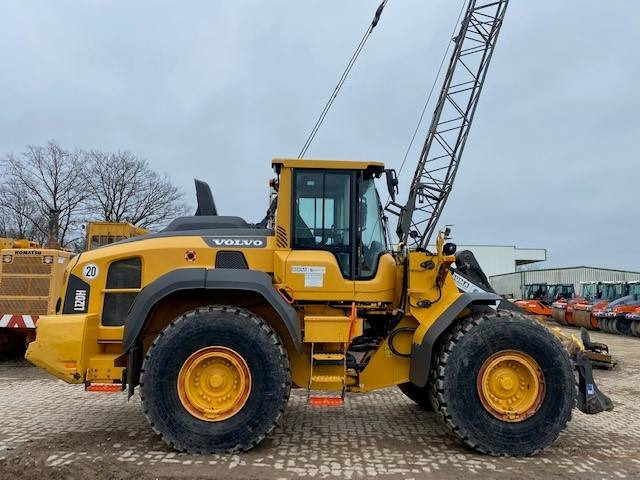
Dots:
(422, 353)
(207, 279)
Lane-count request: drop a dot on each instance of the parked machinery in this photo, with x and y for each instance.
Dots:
(30, 281)
(613, 318)
(585, 313)
(634, 318)
(562, 309)
(215, 319)
(100, 234)
(31, 278)
(539, 297)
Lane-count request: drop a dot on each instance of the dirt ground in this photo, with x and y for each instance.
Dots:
(50, 430)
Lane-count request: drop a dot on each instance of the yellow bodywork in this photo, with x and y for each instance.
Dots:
(79, 348)
(65, 345)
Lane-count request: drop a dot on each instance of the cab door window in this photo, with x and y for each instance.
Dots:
(322, 214)
(370, 235)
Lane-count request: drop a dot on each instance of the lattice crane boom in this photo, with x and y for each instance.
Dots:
(440, 157)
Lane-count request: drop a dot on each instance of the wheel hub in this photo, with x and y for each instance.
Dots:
(214, 383)
(511, 385)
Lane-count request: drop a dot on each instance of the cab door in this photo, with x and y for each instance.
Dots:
(376, 274)
(320, 265)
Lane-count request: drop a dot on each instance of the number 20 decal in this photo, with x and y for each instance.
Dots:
(90, 271)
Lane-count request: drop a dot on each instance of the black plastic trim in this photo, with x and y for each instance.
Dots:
(421, 355)
(208, 279)
(76, 298)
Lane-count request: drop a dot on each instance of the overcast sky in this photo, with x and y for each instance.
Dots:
(215, 89)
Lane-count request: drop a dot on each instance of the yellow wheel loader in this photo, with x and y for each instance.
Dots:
(214, 319)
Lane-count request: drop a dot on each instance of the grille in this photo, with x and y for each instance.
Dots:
(24, 307)
(25, 286)
(281, 237)
(27, 265)
(231, 260)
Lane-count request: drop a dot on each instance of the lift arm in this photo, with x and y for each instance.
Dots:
(452, 118)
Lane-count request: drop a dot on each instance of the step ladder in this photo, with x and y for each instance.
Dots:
(320, 377)
(330, 337)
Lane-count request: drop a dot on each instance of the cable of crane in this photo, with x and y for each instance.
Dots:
(343, 78)
(433, 86)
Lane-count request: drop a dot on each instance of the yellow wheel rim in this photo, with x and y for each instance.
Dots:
(214, 383)
(511, 385)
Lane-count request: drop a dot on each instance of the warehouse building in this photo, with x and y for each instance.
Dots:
(511, 285)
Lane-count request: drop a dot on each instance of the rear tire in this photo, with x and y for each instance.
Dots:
(608, 324)
(420, 395)
(622, 326)
(228, 329)
(455, 389)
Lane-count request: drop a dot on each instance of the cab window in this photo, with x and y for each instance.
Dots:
(371, 238)
(322, 214)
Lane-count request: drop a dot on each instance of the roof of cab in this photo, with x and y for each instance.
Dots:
(332, 164)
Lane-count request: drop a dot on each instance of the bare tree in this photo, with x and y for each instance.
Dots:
(47, 178)
(123, 188)
(16, 210)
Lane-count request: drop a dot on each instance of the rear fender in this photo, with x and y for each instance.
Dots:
(208, 280)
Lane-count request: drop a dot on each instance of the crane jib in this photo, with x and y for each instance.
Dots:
(452, 118)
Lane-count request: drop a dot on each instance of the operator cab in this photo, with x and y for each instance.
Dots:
(332, 208)
(536, 291)
(336, 208)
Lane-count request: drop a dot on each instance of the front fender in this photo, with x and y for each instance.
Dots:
(421, 353)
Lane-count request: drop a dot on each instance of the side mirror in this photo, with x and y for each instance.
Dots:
(392, 183)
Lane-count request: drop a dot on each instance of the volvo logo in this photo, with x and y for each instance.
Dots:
(236, 242)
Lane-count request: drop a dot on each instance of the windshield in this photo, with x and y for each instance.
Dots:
(634, 289)
(535, 291)
(564, 291)
(371, 238)
(589, 291)
(613, 291)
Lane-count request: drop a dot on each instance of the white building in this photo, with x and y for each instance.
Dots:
(499, 259)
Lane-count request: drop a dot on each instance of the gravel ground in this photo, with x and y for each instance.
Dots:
(49, 429)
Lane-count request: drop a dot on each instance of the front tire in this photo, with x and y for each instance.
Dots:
(216, 379)
(503, 384)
